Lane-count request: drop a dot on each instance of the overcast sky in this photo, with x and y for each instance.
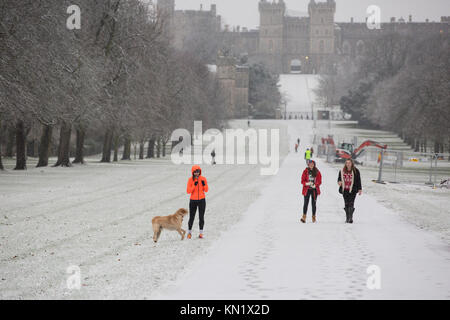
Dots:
(245, 12)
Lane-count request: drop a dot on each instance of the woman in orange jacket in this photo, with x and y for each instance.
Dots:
(196, 187)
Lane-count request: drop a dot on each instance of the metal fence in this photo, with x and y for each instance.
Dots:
(408, 167)
(399, 166)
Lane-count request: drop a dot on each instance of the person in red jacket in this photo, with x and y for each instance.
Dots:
(196, 187)
(311, 181)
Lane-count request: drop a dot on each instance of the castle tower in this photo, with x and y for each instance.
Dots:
(226, 74)
(321, 32)
(271, 33)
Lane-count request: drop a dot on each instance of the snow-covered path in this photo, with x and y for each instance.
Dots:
(271, 255)
(298, 89)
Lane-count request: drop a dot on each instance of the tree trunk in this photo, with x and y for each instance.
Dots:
(148, 149)
(126, 149)
(107, 144)
(158, 149)
(44, 146)
(436, 146)
(1, 144)
(164, 148)
(410, 141)
(116, 148)
(79, 153)
(10, 142)
(64, 146)
(1, 164)
(141, 150)
(151, 148)
(21, 141)
(416, 144)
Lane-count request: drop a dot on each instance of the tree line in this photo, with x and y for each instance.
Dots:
(399, 83)
(113, 82)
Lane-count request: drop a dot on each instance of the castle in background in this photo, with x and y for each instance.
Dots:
(287, 43)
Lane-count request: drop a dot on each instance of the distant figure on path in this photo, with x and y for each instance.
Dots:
(307, 156)
(213, 156)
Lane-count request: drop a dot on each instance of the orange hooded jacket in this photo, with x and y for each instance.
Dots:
(197, 192)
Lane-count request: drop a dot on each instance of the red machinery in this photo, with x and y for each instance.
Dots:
(347, 151)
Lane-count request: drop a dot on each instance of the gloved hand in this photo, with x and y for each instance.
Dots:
(196, 183)
(203, 183)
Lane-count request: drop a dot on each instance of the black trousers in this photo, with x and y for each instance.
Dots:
(312, 193)
(349, 198)
(193, 204)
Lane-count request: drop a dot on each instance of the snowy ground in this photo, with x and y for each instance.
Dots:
(98, 217)
(271, 255)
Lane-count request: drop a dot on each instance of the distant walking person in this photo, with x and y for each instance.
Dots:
(349, 181)
(213, 157)
(196, 187)
(311, 181)
(307, 156)
(296, 147)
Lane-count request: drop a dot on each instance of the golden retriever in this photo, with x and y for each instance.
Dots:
(172, 222)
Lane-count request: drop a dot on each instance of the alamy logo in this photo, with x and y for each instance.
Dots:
(237, 146)
(74, 280)
(374, 280)
(374, 17)
(74, 20)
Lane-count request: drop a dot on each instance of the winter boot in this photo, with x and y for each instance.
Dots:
(189, 236)
(346, 214)
(350, 214)
(303, 219)
(314, 219)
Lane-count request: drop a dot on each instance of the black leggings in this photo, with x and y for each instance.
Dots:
(193, 204)
(313, 194)
(349, 198)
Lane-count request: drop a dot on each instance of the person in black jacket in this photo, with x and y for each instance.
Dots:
(213, 157)
(349, 181)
